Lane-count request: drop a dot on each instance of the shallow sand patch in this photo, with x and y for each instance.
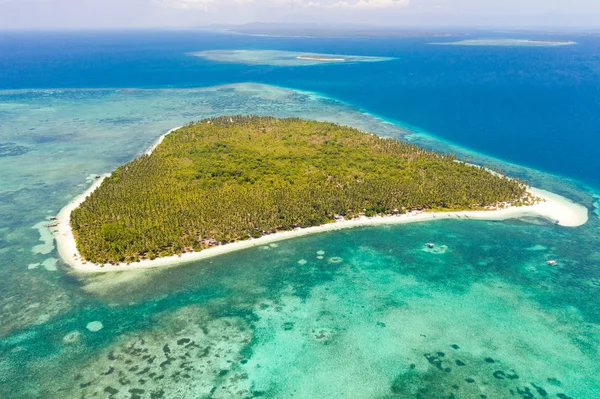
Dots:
(95, 326)
(537, 247)
(50, 264)
(46, 237)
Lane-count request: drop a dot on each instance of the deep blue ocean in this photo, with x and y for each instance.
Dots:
(368, 312)
(537, 107)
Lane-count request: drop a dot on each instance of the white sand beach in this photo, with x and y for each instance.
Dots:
(160, 140)
(555, 208)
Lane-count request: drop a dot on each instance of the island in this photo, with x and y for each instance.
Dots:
(229, 183)
(282, 58)
(509, 43)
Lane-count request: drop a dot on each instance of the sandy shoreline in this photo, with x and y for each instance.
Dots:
(160, 140)
(554, 208)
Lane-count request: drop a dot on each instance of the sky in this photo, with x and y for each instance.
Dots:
(94, 14)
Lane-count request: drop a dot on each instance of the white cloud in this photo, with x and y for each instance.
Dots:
(367, 4)
(196, 4)
(97, 14)
(207, 5)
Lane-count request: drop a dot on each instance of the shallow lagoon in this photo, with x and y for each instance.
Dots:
(359, 313)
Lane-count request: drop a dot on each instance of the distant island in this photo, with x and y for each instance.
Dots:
(229, 183)
(281, 58)
(508, 43)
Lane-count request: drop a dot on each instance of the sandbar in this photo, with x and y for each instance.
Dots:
(317, 58)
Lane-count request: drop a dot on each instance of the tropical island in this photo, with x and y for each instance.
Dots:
(232, 182)
(509, 43)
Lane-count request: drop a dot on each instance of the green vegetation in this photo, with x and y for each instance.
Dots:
(232, 178)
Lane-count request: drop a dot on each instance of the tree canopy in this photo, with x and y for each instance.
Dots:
(232, 178)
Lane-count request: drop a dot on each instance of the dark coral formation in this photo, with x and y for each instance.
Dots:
(12, 150)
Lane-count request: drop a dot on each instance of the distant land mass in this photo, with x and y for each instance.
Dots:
(282, 58)
(230, 179)
(509, 43)
(562, 32)
(317, 30)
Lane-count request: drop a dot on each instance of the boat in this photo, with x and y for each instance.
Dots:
(430, 245)
(52, 224)
(551, 262)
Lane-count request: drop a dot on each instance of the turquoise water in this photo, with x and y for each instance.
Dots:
(379, 316)
(363, 313)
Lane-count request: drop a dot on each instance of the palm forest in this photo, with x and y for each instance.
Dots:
(235, 178)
